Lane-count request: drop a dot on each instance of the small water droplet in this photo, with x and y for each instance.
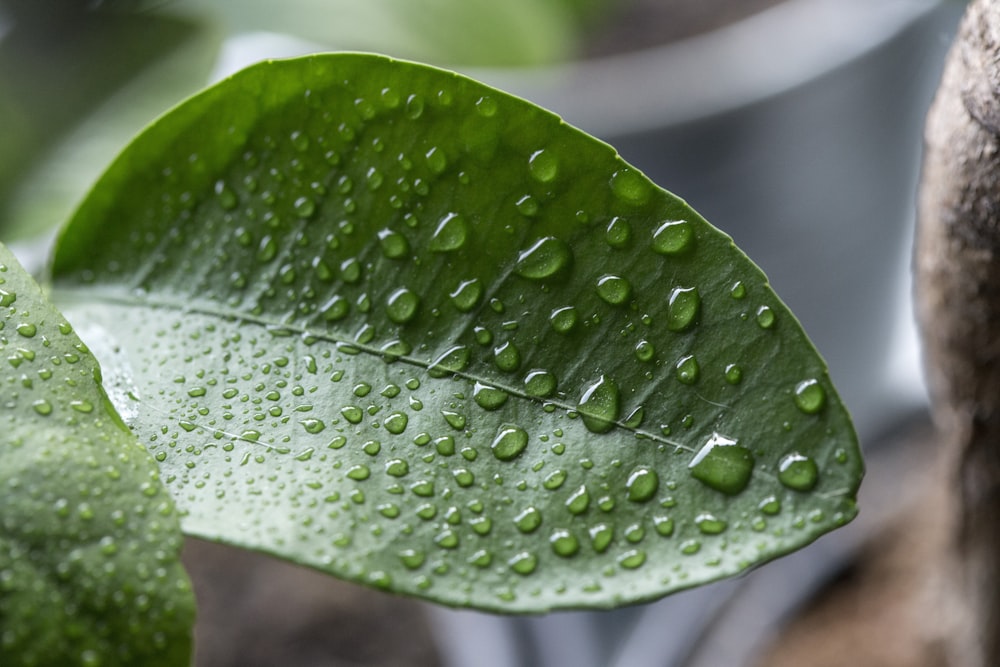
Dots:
(722, 464)
(397, 468)
(683, 306)
(770, 506)
(810, 397)
(673, 237)
(614, 290)
(394, 245)
(313, 425)
(395, 423)
(267, 250)
(42, 407)
(601, 536)
(564, 543)
(600, 405)
(642, 484)
(644, 351)
(304, 207)
(401, 306)
(467, 294)
(412, 558)
(738, 290)
(664, 525)
(436, 160)
(450, 234)
(540, 383)
(509, 443)
(543, 259)
(486, 106)
(632, 559)
(734, 374)
(687, 369)
(7, 298)
(798, 472)
(352, 413)
(447, 539)
(454, 419)
(82, 406)
(527, 206)
(554, 480)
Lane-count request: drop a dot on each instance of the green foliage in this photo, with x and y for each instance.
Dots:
(396, 325)
(89, 539)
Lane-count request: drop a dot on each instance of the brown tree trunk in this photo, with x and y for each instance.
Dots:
(957, 266)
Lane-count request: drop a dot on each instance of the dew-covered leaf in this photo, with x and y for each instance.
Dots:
(89, 540)
(393, 324)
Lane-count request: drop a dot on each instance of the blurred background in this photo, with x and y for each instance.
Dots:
(793, 125)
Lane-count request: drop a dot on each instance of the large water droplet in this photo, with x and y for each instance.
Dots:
(672, 237)
(798, 472)
(543, 259)
(810, 397)
(450, 234)
(543, 165)
(642, 484)
(509, 442)
(600, 405)
(683, 306)
(614, 290)
(630, 186)
(401, 306)
(723, 465)
(528, 520)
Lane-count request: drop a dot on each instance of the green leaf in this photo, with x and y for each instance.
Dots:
(89, 539)
(391, 323)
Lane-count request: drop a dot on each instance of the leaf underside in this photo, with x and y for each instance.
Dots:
(89, 540)
(393, 324)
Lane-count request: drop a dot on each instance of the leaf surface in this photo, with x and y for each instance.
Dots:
(89, 540)
(391, 323)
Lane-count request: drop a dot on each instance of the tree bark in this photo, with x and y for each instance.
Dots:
(957, 265)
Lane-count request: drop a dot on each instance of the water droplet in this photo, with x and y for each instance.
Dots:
(690, 547)
(414, 106)
(401, 306)
(540, 383)
(372, 447)
(664, 525)
(734, 374)
(509, 443)
(723, 465)
(313, 425)
(765, 317)
(481, 525)
(770, 506)
(395, 423)
(632, 559)
(359, 472)
(450, 234)
(394, 245)
(42, 407)
(523, 563)
(352, 413)
(810, 396)
(454, 419)
(527, 206)
(642, 484)
(564, 543)
(738, 290)
(630, 186)
(709, 524)
(486, 106)
(446, 539)
(487, 397)
(554, 480)
(452, 360)
(600, 405)
(267, 250)
(644, 351)
(82, 406)
(543, 259)
(614, 290)
(412, 558)
(601, 536)
(687, 369)
(350, 270)
(436, 160)
(563, 319)
(683, 306)
(507, 357)
(543, 165)
(672, 237)
(304, 207)
(7, 298)
(528, 520)
(27, 330)
(335, 309)
(619, 233)
(578, 501)
(798, 472)
(397, 468)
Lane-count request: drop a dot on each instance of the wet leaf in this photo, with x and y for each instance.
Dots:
(393, 324)
(89, 539)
